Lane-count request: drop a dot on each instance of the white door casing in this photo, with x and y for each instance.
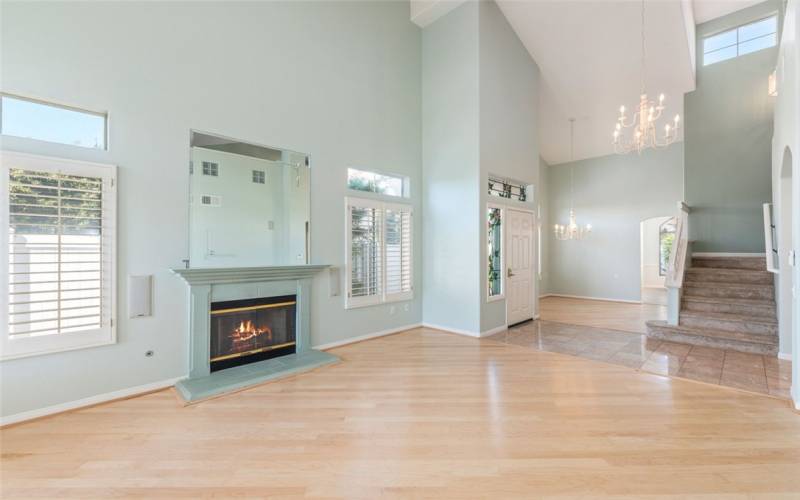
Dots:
(519, 266)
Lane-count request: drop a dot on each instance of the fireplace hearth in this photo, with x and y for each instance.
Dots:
(251, 330)
(273, 319)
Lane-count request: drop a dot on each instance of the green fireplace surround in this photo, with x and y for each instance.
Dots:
(207, 285)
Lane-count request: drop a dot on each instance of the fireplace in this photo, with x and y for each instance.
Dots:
(250, 330)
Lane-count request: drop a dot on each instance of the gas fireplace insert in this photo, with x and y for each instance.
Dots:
(250, 330)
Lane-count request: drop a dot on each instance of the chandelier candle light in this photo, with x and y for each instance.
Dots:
(572, 231)
(643, 123)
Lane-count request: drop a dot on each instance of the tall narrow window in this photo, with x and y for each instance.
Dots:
(666, 237)
(379, 250)
(494, 240)
(59, 253)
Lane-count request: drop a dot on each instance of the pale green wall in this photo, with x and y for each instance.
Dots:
(546, 223)
(509, 81)
(338, 80)
(450, 140)
(614, 194)
(728, 141)
(480, 99)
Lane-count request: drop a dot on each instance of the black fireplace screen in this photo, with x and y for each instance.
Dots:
(245, 331)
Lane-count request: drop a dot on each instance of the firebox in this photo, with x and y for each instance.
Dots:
(246, 331)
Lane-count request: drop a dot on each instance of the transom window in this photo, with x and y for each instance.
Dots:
(378, 183)
(739, 41)
(509, 189)
(32, 119)
(58, 248)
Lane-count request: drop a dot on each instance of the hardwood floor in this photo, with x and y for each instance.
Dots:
(600, 313)
(422, 414)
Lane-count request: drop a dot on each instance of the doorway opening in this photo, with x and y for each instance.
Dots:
(657, 235)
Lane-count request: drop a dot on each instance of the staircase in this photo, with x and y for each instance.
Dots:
(728, 303)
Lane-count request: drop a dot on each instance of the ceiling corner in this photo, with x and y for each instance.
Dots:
(425, 12)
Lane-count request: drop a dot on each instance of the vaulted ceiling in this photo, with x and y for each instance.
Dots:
(589, 54)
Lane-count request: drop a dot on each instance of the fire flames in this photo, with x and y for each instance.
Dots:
(247, 331)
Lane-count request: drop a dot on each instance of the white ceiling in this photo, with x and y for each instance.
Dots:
(589, 56)
(706, 10)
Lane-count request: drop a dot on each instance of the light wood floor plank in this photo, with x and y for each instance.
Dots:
(422, 414)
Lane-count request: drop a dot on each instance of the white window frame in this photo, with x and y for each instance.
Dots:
(45, 344)
(739, 42)
(383, 296)
(406, 180)
(67, 107)
(502, 294)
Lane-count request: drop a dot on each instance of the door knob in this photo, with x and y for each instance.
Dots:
(509, 273)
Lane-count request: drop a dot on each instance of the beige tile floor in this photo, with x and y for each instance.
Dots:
(751, 372)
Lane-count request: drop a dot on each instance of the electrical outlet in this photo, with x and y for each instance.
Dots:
(405, 308)
(392, 309)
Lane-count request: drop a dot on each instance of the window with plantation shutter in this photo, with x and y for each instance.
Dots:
(58, 222)
(398, 252)
(379, 252)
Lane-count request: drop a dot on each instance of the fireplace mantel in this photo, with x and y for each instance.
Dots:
(220, 275)
(207, 285)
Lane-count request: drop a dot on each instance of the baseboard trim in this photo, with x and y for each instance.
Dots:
(468, 333)
(784, 356)
(584, 297)
(90, 401)
(361, 338)
(727, 254)
(545, 295)
(492, 331)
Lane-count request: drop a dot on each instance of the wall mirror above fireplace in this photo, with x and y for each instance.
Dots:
(249, 204)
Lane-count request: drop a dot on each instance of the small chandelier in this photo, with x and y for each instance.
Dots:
(572, 231)
(643, 123)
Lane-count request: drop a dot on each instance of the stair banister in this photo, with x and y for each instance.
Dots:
(678, 262)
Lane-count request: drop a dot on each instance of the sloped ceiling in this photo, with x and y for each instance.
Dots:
(589, 53)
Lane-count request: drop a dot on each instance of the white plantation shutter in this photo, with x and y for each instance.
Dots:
(59, 232)
(364, 252)
(398, 252)
(379, 249)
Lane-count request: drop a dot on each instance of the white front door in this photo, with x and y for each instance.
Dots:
(519, 266)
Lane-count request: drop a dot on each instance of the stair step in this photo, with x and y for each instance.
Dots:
(735, 341)
(725, 275)
(753, 263)
(730, 290)
(744, 307)
(729, 322)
